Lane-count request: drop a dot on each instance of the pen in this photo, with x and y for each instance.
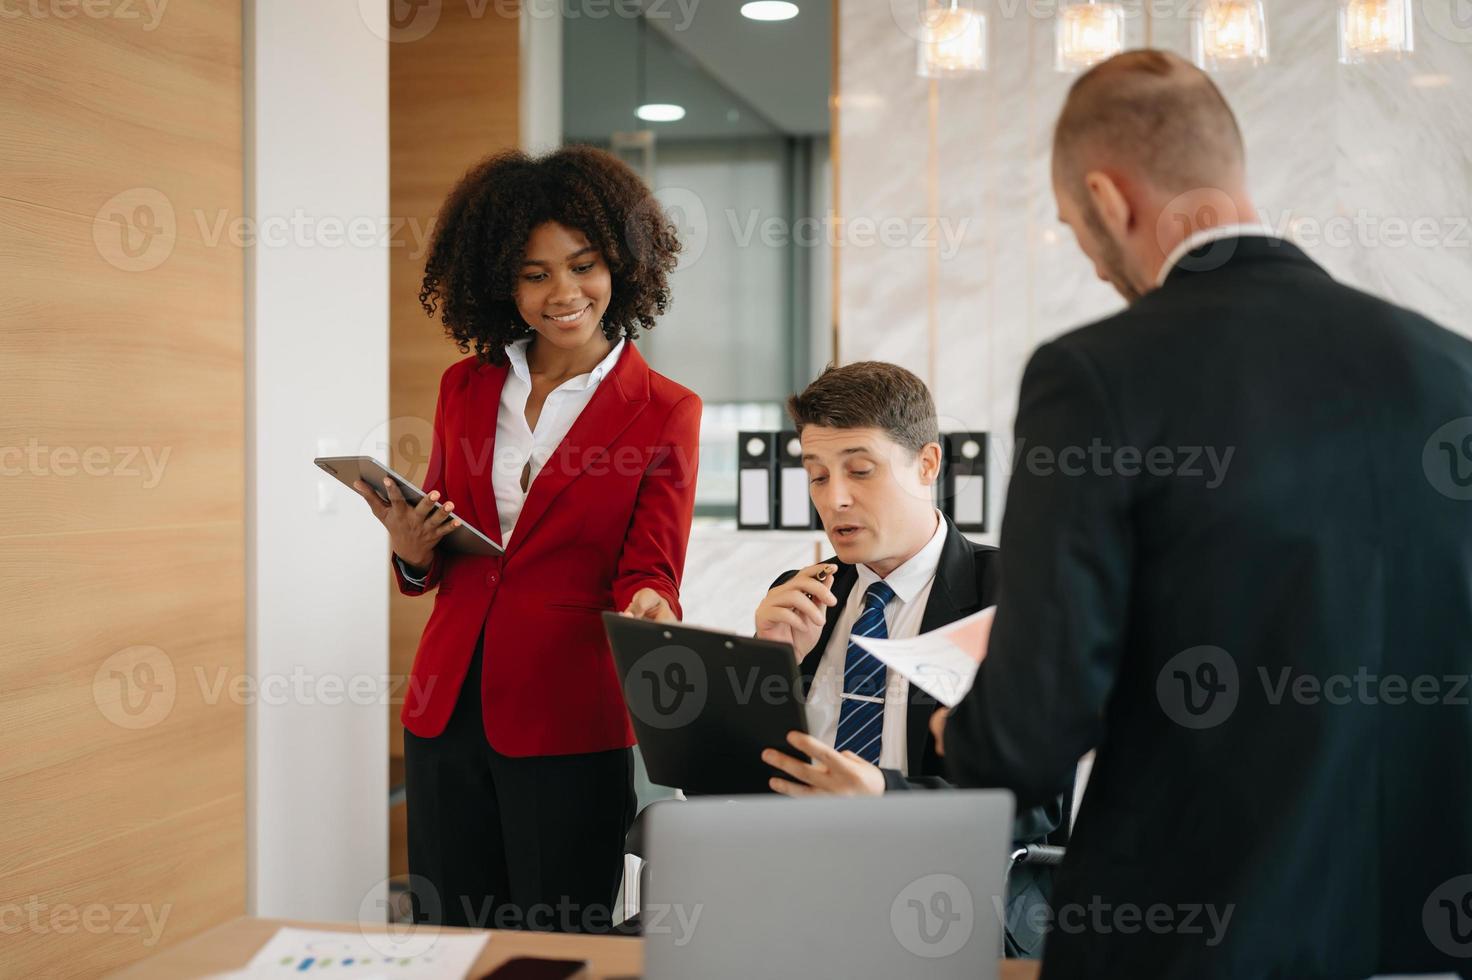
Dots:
(822, 576)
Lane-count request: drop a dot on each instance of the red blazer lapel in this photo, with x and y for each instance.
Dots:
(479, 444)
(614, 406)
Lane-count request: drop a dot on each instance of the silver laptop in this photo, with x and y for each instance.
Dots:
(906, 885)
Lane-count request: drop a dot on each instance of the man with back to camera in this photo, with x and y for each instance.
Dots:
(871, 448)
(1241, 640)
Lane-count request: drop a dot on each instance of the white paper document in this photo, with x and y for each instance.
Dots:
(943, 662)
(408, 953)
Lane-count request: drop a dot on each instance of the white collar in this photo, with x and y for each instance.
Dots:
(1205, 237)
(516, 354)
(912, 576)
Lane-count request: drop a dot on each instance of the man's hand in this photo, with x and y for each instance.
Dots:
(794, 612)
(648, 604)
(938, 729)
(830, 773)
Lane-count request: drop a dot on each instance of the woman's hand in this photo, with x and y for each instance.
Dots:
(648, 604)
(414, 531)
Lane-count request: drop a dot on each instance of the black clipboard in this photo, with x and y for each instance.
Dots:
(704, 704)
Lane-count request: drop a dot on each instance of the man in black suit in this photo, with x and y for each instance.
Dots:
(871, 447)
(1239, 540)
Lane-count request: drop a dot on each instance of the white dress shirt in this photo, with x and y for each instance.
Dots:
(518, 443)
(911, 582)
(1205, 237)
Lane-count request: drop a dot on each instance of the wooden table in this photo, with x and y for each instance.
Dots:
(231, 945)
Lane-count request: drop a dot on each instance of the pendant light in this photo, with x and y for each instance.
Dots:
(1229, 33)
(1371, 29)
(1088, 32)
(953, 40)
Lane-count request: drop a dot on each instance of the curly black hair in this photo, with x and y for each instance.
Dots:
(481, 234)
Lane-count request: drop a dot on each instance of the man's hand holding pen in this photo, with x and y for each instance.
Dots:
(794, 612)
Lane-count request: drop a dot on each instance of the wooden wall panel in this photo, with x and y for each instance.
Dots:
(122, 477)
(133, 361)
(93, 106)
(453, 98)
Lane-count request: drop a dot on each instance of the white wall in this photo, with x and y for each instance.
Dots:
(317, 363)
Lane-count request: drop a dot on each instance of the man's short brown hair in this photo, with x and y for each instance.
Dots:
(869, 395)
(1153, 112)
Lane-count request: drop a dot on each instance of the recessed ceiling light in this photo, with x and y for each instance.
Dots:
(769, 10)
(660, 112)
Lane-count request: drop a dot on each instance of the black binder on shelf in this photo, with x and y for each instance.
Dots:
(795, 511)
(964, 480)
(756, 480)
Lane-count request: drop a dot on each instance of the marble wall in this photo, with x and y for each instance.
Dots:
(1369, 167)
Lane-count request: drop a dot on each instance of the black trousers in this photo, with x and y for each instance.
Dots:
(502, 843)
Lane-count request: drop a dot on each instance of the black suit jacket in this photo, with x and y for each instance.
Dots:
(1165, 615)
(966, 582)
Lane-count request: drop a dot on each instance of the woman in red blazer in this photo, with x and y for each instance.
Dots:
(556, 439)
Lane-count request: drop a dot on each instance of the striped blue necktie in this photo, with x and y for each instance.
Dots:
(861, 717)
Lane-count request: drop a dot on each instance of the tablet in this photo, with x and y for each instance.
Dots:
(704, 704)
(347, 469)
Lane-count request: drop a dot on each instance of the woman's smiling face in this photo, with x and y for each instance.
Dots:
(563, 287)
